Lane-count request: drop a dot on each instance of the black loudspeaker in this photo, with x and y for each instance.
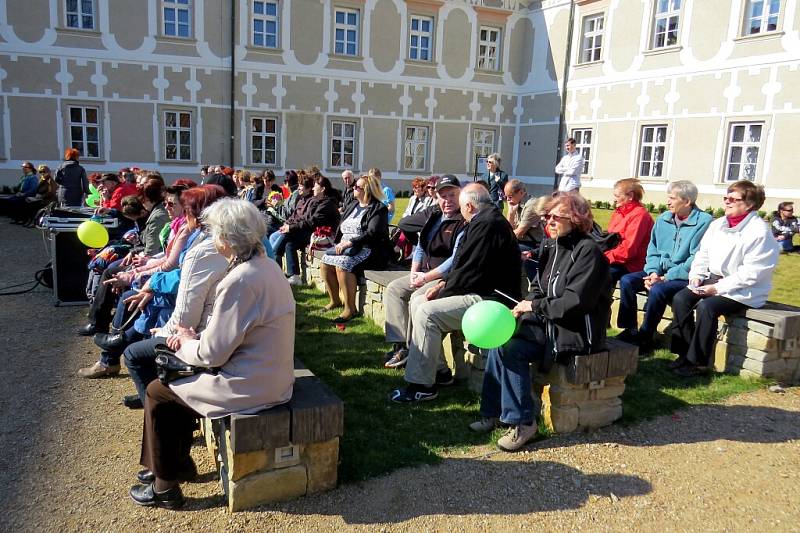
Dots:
(70, 270)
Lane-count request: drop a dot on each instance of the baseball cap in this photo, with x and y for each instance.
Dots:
(448, 180)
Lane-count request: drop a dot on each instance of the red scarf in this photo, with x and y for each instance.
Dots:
(734, 221)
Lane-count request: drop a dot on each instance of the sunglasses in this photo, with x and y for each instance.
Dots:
(731, 199)
(358, 188)
(557, 218)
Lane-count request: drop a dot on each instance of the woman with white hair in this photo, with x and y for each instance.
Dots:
(247, 347)
(674, 241)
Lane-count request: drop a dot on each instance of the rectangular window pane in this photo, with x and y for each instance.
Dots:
(346, 29)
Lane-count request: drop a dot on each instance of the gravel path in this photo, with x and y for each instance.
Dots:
(70, 450)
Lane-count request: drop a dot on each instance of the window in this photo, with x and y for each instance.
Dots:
(80, 14)
(583, 144)
(345, 40)
(420, 38)
(415, 151)
(343, 144)
(651, 155)
(744, 143)
(592, 41)
(84, 130)
(489, 48)
(265, 24)
(666, 23)
(177, 135)
(762, 16)
(482, 142)
(263, 141)
(176, 18)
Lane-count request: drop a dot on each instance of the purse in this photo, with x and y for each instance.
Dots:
(169, 367)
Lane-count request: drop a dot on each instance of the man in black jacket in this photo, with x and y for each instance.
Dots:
(487, 260)
(432, 260)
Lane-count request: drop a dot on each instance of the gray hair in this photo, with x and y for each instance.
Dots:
(476, 195)
(516, 186)
(495, 157)
(684, 189)
(238, 224)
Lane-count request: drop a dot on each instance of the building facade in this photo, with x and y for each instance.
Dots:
(661, 89)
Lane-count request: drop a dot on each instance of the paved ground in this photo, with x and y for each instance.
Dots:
(69, 455)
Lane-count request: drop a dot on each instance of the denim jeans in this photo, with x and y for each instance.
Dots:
(658, 297)
(112, 357)
(786, 244)
(140, 358)
(506, 389)
(617, 271)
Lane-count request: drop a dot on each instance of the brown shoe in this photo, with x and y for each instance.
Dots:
(98, 370)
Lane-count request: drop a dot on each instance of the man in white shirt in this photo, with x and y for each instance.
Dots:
(570, 168)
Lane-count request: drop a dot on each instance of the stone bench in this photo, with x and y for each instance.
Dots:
(761, 343)
(581, 394)
(281, 453)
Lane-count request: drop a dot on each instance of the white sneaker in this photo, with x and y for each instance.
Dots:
(295, 280)
(517, 437)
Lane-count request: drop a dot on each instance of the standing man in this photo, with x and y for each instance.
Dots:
(349, 180)
(496, 178)
(570, 168)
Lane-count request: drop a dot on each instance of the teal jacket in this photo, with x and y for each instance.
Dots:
(672, 248)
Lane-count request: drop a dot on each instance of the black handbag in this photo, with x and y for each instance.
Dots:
(169, 367)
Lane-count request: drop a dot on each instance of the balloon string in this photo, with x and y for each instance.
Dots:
(504, 295)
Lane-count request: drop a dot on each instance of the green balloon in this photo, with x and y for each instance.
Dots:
(488, 324)
(92, 201)
(93, 234)
(93, 190)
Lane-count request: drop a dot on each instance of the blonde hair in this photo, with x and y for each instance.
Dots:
(373, 189)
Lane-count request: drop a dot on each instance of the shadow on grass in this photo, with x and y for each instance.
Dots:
(379, 435)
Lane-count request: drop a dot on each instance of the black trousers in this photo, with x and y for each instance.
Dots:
(105, 300)
(693, 337)
(167, 432)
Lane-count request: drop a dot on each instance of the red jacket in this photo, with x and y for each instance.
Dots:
(122, 190)
(634, 224)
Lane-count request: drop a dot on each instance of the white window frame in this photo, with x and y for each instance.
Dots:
(81, 14)
(419, 35)
(342, 138)
(740, 149)
(480, 146)
(346, 27)
(591, 49)
(265, 19)
(411, 145)
(763, 19)
(584, 147)
(489, 41)
(651, 148)
(178, 129)
(666, 11)
(261, 138)
(178, 6)
(85, 127)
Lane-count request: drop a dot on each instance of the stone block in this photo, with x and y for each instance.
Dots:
(265, 487)
(607, 392)
(454, 354)
(322, 461)
(372, 286)
(562, 397)
(599, 413)
(561, 419)
(748, 338)
(475, 360)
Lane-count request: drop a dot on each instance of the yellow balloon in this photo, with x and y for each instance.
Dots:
(93, 234)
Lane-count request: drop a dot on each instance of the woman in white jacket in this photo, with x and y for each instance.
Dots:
(731, 272)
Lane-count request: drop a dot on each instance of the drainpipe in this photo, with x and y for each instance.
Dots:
(233, 82)
(561, 116)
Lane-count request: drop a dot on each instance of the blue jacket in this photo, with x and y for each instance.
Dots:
(672, 248)
(28, 185)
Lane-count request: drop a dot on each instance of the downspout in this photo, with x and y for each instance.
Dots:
(233, 82)
(561, 116)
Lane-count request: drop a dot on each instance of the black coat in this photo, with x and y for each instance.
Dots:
(488, 258)
(320, 211)
(375, 235)
(571, 298)
(72, 182)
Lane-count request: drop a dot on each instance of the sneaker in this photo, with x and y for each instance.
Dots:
(98, 370)
(396, 347)
(414, 393)
(444, 377)
(295, 280)
(485, 424)
(398, 360)
(517, 437)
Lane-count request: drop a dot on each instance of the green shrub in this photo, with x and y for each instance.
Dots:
(719, 212)
(662, 208)
(651, 207)
(710, 211)
(762, 214)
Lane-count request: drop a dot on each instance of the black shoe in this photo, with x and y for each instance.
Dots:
(132, 402)
(88, 330)
(628, 335)
(414, 393)
(110, 341)
(444, 378)
(645, 343)
(147, 496)
(145, 476)
(690, 371)
(190, 474)
(677, 363)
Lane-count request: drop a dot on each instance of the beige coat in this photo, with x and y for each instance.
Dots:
(250, 335)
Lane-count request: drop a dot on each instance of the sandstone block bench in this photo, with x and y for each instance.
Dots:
(761, 343)
(281, 453)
